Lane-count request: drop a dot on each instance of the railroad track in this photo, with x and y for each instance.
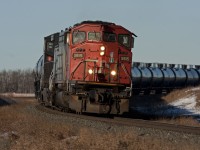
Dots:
(127, 121)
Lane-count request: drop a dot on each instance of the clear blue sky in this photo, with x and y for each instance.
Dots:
(168, 30)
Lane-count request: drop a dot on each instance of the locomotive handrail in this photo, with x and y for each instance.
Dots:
(124, 68)
(88, 60)
(76, 69)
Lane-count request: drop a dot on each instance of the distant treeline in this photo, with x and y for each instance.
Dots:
(19, 81)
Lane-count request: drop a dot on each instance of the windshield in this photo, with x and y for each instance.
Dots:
(109, 37)
(124, 39)
(94, 36)
(78, 37)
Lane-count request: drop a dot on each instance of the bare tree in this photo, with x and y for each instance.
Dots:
(20, 81)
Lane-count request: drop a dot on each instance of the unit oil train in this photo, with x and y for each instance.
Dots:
(89, 68)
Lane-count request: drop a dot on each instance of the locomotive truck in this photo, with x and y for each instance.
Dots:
(87, 68)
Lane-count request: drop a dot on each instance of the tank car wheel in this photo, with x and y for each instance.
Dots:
(147, 92)
(136, 92)
(159, 91)
(78, 112)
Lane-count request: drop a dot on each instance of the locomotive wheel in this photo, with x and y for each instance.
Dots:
(117, 107)
(79, 112)
(107, 109)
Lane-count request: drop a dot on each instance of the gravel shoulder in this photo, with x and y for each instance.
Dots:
(22, 126)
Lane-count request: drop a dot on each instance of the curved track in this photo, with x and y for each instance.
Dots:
(127, 121)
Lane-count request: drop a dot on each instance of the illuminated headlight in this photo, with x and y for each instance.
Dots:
(90, 71)
(102, 48)
(113, 72)
(102, 53)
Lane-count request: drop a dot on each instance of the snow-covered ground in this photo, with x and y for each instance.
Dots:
(185, 106)
(18, 94)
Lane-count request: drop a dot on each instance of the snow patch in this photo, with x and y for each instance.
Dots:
(18, 94)
(182, 107)
(186, 106)
(188, 103)
(193, 89)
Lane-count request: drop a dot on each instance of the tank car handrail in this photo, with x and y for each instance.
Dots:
(171, 65)
(184, 67)
(197, 66)
(160, 65)
(136, 64)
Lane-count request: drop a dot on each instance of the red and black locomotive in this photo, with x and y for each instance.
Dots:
(87, 68)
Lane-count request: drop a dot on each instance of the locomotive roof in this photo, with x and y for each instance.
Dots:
(94, 22)
(99, 22)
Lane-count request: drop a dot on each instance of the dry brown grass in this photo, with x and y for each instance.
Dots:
(182, 93)
(186, 121)
(177, 94)
(198, 99)
(24, 130)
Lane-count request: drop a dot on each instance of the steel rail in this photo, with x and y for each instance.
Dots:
(160, 125)
(128, 122)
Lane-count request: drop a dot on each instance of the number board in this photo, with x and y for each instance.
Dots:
(124, 58)
(78, 55)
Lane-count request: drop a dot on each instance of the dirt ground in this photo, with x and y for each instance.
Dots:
(22, 128)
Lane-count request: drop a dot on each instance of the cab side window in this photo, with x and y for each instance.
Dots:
(78, 37)
(124, 39)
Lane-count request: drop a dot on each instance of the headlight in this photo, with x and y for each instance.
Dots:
(102, 53)
(102, 48)
(90, 71)
(113, 72)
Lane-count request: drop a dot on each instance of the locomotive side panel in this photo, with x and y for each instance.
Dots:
(49, 45)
